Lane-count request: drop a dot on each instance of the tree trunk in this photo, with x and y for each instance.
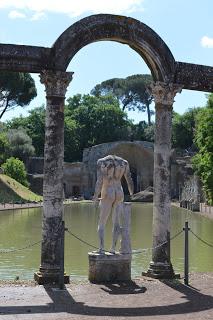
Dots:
(5, 108)
(148, 114)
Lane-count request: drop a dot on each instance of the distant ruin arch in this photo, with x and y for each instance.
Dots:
(141, 162)
(138, 153)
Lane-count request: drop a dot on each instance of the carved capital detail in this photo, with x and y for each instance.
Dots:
(164, 93)
(56, 82)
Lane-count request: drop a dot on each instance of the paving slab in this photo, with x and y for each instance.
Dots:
(143, 298)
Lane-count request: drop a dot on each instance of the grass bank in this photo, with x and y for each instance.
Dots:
(12, 191)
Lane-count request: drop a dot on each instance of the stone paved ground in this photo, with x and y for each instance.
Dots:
(142, 299)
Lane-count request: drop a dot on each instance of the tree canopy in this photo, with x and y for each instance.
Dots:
(203, 160)
(183, 129)
(4, 143)
(132, 92)
(96, 120)
(34, 125)
(19, 144)
(89, 120)
(16, 89)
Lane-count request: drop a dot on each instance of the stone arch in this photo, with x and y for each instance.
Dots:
(107, 27)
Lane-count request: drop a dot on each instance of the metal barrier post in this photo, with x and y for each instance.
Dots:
(186, 254)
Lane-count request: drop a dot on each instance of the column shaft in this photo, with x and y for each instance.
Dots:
(160, 266)
(56, 84)
(162, 201)
(53, 185)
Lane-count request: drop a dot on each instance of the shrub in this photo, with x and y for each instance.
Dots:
(20, 144)
(3, 146)
(15, 169)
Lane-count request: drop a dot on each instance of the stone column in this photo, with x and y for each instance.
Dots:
(160, 266)
(56, 83)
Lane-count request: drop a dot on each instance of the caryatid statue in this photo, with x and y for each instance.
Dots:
(110, 171)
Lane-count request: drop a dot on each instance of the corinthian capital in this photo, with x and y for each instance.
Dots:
(164, 93)
(56, 82)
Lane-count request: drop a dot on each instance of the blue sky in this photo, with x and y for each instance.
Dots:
(185, 26)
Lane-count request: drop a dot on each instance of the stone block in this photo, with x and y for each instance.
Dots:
(109, 267)
(47, 279)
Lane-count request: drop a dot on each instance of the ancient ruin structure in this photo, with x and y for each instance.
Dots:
(139, 155)
(80, 177)
(170, 76)
(191, 194)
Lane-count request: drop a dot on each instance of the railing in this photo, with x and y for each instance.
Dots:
(205, 208)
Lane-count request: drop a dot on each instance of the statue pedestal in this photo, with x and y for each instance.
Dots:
(108, 267)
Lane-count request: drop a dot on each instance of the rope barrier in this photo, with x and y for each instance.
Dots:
(19, 249)
(134, 251)
(83, 241)
(203, 241)
(57, 237)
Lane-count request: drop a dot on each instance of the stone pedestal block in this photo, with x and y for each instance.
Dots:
(109, 267)
(47, 279)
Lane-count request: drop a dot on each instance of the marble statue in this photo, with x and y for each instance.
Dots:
(110, 170)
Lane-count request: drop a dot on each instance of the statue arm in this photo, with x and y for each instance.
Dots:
(127, 175)
(99, 182)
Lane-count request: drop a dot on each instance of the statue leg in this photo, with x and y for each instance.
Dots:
(105, 210)
(116, 229)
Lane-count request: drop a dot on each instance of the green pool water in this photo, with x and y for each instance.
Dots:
(19, 228)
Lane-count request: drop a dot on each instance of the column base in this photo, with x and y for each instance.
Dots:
(49, 278)
(160, 270)
(109, 267)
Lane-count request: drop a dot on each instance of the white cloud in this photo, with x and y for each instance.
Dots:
(74, 7)
(38, 16)
(207, 42)
(16, 15)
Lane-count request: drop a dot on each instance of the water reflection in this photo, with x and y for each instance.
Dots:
(20, 227)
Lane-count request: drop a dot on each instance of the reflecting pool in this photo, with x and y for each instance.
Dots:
(18, 228)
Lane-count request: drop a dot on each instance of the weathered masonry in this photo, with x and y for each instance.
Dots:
(170, 77)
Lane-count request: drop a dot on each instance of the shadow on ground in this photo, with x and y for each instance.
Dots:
(129, 287)
(62, 301)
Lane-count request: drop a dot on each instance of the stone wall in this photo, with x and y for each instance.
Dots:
(75, 177)
(190, 194)
(181, 170)
(36, 183)
(35, 165)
